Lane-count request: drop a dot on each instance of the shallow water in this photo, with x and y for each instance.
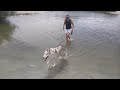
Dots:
(95, 47)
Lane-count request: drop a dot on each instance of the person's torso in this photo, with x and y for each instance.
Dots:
(68, 24)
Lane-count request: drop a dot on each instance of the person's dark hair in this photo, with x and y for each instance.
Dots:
(67, 15)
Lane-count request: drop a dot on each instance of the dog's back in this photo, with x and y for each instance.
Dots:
(62, 51)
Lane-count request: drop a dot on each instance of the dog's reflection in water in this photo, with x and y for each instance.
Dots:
(52, 72)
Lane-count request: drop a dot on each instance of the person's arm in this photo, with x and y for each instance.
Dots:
(64, 24)
(72, 24)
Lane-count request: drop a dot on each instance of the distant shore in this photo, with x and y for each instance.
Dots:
(117, 12)
(26, 12)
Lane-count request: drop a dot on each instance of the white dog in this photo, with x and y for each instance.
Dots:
(60, 50)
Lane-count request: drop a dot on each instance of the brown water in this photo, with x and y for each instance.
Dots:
(95, 48)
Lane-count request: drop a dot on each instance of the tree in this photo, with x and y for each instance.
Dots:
(6, 29)
(4, 14)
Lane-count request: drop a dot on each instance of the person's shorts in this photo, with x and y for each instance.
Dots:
(68, 31)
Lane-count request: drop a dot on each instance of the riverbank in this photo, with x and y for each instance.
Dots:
(37, 12)
(27, 12)
(116, 13)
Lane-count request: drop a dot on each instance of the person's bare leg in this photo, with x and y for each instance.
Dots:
(69, 37)
(70, 34)
(66, 38)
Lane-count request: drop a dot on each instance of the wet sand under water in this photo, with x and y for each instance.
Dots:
(95, 47)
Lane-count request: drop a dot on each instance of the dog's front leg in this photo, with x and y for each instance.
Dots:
(48, 61)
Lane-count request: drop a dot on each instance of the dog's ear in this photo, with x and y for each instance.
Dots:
(48, 50)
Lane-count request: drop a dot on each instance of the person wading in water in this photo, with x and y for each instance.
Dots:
(69, 28)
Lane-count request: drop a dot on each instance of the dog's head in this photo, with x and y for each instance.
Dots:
(46, 53)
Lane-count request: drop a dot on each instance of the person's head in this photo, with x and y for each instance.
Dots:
(67, 16)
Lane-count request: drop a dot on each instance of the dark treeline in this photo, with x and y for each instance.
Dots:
(4, 14)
